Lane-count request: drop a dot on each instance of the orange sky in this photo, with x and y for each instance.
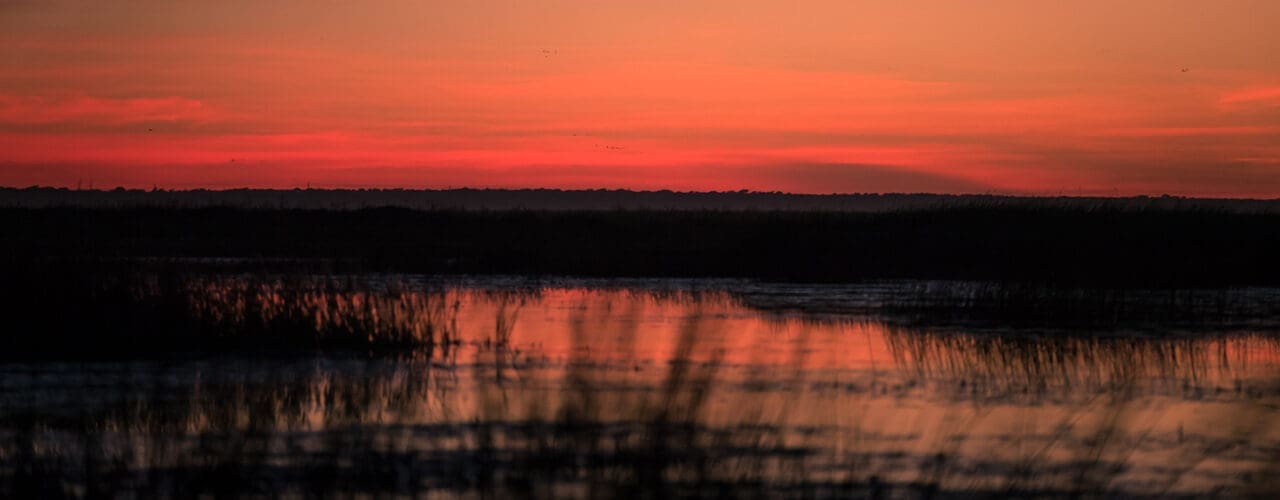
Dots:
(1025, 96)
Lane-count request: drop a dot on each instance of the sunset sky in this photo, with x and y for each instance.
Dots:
(1020, 96)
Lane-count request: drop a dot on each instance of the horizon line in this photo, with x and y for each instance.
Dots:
(157, 189)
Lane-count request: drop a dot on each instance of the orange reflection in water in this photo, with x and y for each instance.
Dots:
(1021, 398)
(649, 327)
(760, 396)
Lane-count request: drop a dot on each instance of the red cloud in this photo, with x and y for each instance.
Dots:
(1264, 95)
(95, 110)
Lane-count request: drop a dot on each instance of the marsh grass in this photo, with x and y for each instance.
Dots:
(1020, 306)
(122, 313)
(359, 427)
(126, 309)
(323, 313)
(999, 367)
(403, 403)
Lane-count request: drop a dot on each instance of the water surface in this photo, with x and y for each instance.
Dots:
(687, 388)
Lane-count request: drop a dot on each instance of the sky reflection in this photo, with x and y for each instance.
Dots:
(575, 391)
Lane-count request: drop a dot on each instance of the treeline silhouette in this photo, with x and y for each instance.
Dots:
(1057, 246)
(590, 199)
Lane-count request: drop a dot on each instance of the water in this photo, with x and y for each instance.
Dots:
(588, 389)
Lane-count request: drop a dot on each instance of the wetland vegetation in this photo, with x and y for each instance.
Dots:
(408, 385)
(972, 351)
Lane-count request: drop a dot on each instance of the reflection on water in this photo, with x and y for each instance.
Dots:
(613, 392)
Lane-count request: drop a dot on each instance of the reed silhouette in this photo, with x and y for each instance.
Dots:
(664, 394)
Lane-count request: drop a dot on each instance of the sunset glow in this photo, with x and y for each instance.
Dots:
(1020, 97)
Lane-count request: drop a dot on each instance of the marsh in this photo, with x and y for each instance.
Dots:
(474, 387)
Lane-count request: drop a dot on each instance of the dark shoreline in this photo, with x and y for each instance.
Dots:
(597, 199)
(1072, 247)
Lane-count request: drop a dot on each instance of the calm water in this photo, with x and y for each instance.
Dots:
(589, 391)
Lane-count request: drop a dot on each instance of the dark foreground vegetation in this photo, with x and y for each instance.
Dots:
(440, 414)
(131, 310)
(124, 312)
(1071, 246)
(259, 352)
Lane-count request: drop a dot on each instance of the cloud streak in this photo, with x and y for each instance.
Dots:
(1042, 99)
